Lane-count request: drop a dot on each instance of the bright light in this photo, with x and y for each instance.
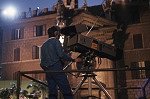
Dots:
(38, 8)
(61, 39)
(10, 12)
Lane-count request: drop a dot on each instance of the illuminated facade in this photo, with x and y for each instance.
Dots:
(22, 39)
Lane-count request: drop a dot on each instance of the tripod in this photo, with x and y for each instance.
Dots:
(88, 64)
(90, 76)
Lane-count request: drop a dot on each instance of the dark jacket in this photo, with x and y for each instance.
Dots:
(52, 52)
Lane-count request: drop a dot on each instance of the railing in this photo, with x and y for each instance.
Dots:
(24, 74)
(144, 88)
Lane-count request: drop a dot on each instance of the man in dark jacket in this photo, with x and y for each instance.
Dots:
(52, 55)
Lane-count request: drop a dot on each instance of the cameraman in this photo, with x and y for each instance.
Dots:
(52, 55)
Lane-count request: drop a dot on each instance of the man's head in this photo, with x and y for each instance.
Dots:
(54, 31)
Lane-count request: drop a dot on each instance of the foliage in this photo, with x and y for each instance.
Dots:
(6, 93)
(38, 90)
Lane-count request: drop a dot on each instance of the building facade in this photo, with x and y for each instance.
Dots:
(137, 54)
(20, 43)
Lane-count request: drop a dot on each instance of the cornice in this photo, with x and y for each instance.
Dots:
(139, 24)
(38, 18)
(93, 20)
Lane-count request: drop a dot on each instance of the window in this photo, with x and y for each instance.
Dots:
(142, 72)
(36, 52)
(138, 74)
(17, 54)
(17, 33)
(137, 41)
(39, 30)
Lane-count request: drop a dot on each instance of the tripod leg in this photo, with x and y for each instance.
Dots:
(102, 88)
(79, 85)
(67, 66)
(90, 87)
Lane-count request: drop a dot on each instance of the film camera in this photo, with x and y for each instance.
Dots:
(89, 48)
(84, 44)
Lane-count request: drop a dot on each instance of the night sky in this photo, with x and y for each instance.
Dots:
(23, 5)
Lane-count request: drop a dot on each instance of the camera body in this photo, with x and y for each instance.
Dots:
(83, 44)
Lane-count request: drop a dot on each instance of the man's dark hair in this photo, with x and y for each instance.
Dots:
(51, 31)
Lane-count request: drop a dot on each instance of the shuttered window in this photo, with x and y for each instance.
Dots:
(17, 54)
(17, 33)
(35, 52)
(39, 30)
(137, 41)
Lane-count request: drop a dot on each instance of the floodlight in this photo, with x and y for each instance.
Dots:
(10, 12)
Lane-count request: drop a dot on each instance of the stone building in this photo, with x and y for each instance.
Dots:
(20, 42)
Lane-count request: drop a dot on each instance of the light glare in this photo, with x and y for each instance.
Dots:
(9, 12)
(61, 39)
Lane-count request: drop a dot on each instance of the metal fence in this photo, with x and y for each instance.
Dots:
(143, 88)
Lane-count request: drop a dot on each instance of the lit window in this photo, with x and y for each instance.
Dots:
(138, 74)
(142, 72)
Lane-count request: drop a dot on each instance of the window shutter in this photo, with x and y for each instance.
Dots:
(34, 31)
(17, 54)
(21, 36)
(16, 34)
(35, 52)
(44, 29)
